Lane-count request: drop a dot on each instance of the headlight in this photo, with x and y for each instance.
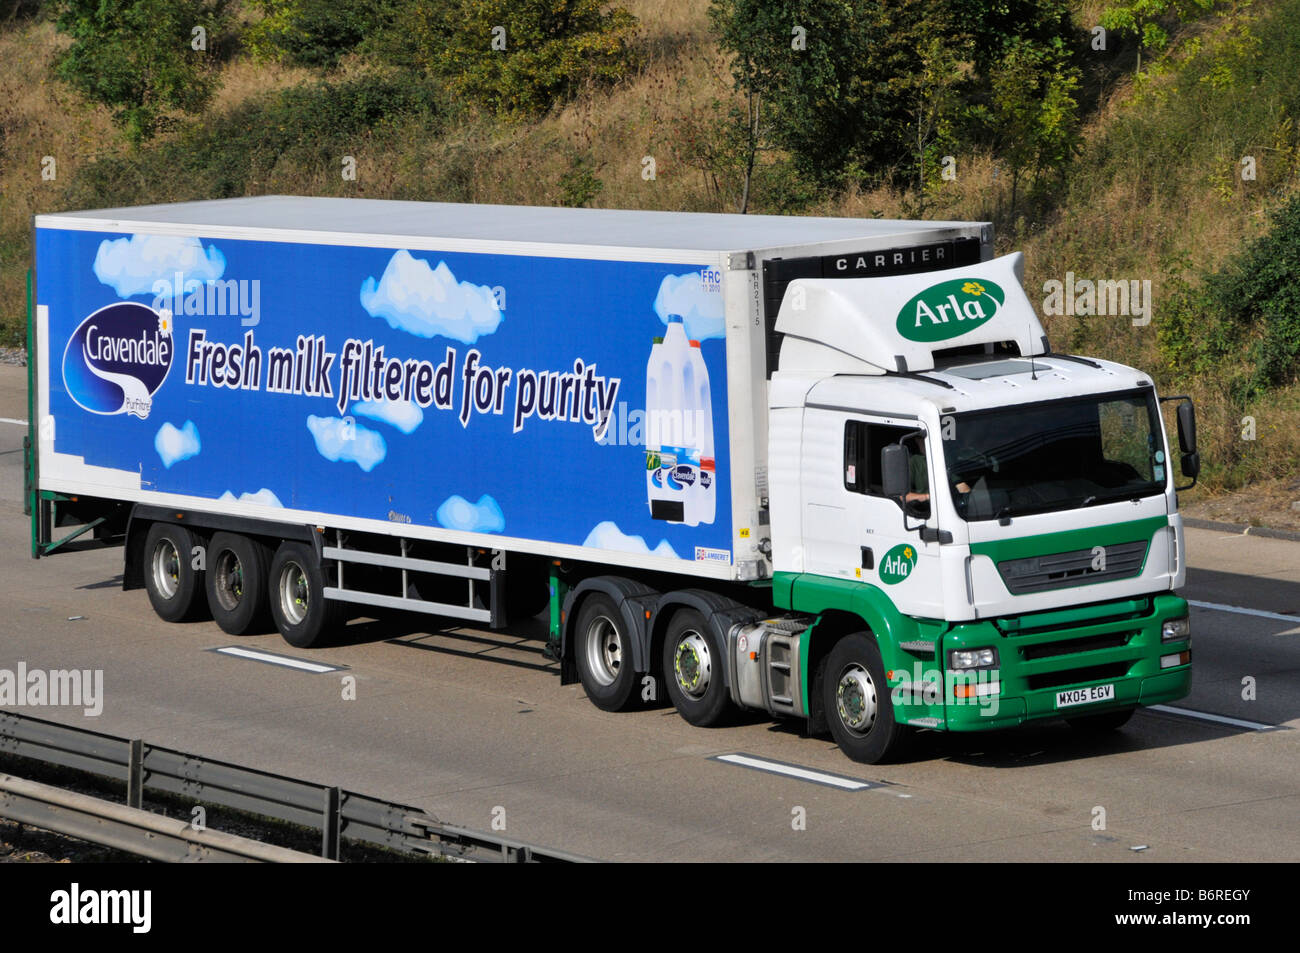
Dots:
(960, 659)
(1175, 630)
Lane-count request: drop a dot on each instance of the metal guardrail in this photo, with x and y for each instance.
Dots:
(132, 830)
(336, 813)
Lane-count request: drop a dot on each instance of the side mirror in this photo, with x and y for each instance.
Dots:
(1191, 465)
(1187, 432)
(895, 470)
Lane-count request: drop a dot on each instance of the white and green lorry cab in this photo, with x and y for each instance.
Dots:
(978, 536)
(828, 469)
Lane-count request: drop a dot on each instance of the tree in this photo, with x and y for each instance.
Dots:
(834, 78)
(873, 92)
(143, 58)
(1033, 115)
(1141, 18)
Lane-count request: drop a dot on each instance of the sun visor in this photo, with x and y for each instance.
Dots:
(897, 323)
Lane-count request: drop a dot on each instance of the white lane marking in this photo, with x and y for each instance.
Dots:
(1243, 611)
(12, 420)
(272, 659)
(1222, 719)
(794, 771)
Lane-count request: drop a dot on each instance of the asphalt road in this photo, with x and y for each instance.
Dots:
(472, 725)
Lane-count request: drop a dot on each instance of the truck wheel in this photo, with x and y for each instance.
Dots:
(169, 574)
(297, 591)
(236, 582)
(604, 654)
(857, 702)
(695, 670)
(1099, 724)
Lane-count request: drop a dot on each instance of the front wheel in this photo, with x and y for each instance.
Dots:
(604, 654)
(856, 699)
(695, 670)
(297, 590)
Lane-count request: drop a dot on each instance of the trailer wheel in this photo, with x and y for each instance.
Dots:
(297, 592)
(236, 581)
(169, 574)
(603, 648)
(695, 670)
(1100, 724)
(856, 699)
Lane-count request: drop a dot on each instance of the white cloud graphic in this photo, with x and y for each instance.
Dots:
(262, 497)
(130, 266)
(607, 535)
(176, 444)
(345, 441)
(485, 516)
(402, 414)
(426, 301)
(701, 310)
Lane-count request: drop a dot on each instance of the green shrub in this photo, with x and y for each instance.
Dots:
(519, 57)
(243, 151)
(311, 32)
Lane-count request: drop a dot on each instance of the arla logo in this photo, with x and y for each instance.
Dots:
(898, 563)
(949, 308)
(118, 358)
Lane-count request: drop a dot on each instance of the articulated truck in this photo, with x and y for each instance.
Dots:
(827, 469)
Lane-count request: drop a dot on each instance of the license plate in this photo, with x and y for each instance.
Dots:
(1085, 696)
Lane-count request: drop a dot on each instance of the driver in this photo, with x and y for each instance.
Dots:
(920, 474)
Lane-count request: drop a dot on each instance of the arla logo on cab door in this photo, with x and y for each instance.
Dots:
(898, 563)
(118, 358)
(949, 309)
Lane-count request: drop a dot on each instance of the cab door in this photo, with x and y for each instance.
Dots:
(851, 530)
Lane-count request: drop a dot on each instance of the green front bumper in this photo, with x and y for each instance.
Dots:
(1041, 654)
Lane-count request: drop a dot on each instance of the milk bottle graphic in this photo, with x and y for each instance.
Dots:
(680, 469)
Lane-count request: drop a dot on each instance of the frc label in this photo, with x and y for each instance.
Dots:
(949, 309)
(118, 358)
(898, 564)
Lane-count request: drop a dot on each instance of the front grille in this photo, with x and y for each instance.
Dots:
(1093, 673)
(1060, 570)
(1092, 643)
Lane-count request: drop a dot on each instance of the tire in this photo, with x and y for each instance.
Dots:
(236, 583)
(170, 578)
(856, 699)
(695, 670)
(603, 651)
(296, 587)
(1105, 722)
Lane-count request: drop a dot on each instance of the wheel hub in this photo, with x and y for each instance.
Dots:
(604, 650)
(230, 580)
(855, 699)
(166, 568)
(692, 665)
(295, 594)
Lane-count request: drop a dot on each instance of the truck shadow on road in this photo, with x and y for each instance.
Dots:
(1030, 746)
(521, 647)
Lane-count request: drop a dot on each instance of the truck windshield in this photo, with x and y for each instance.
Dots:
(1058, 455)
